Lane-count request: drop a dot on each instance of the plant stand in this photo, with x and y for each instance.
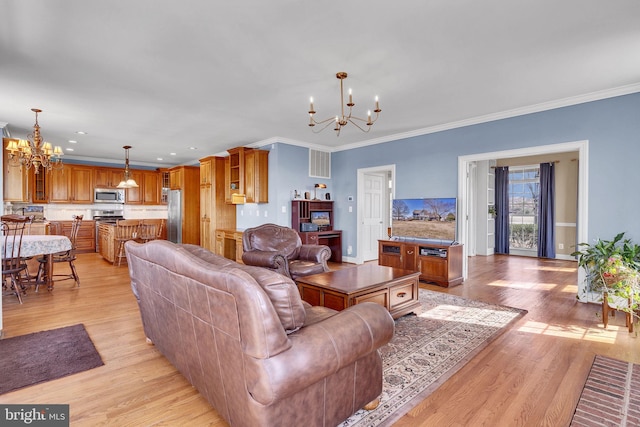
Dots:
(606, 309)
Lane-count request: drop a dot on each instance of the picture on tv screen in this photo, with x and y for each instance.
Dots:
(428, 218)
(320, 218)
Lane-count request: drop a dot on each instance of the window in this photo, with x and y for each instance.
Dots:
(524, 189)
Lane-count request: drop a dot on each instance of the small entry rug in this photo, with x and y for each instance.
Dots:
(429, 348)
(43, 356)
(611, 395)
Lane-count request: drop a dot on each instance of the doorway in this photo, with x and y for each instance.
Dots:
(466, 184)
(375, 190)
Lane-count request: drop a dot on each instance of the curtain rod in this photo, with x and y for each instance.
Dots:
(553, 161)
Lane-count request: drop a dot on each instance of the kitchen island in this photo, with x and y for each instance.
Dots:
(107, 238)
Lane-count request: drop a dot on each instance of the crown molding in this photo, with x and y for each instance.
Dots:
(536, 108)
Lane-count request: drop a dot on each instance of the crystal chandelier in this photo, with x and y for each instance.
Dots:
(127, 182)
(342, 119)
(34, 152)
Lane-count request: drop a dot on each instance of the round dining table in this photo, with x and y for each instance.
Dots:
(44, 244)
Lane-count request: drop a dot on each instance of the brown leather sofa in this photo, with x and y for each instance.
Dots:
(280, 249)
(243, 337)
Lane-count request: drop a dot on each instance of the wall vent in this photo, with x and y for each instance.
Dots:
(319, 164)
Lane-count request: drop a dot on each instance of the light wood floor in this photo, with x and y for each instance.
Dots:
(532, 375)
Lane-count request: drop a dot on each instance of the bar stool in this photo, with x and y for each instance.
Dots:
(151, 229)
(126, 229)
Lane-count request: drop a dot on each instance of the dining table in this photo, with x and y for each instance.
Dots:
(44, 244)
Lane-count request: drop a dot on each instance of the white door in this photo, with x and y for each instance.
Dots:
(374, 213)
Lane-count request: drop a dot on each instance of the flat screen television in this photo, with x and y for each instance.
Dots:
(320, 218)
(432, 219)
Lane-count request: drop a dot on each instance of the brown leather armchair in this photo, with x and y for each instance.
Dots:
(245, 339)
(280, 249)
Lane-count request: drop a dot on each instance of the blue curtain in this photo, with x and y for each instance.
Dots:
(546, 212)
(502, 210)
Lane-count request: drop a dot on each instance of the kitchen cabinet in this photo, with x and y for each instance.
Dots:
(107, 237)
(86, 240)
(187, 179)
(152, 187)
(246, 172)
(15, 178)
(215, 213)
(256, 176)
(234, 172)
(133, 196)
(38, 184)
(176, 178)
(229, 244)
(71, 184)
(108, 177)
(148, 190)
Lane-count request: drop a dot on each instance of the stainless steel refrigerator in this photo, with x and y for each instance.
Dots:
(174, 221)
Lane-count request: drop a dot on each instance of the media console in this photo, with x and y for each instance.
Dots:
(437, 263)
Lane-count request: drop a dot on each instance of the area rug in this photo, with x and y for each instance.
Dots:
(611, 395)
(429, 348)
(43, 356)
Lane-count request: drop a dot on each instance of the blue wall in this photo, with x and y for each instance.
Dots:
(288, 171)
(426, 165)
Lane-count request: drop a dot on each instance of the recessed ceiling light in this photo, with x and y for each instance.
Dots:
(192, 148)
(172, 154)
(159, 158)
(69, 149)
(73, 141)
(79, 132)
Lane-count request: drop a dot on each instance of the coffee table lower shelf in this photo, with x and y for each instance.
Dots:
(393, 288)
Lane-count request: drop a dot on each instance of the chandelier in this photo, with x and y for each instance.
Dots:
(34, 152)
(342, 119)
(127, 182)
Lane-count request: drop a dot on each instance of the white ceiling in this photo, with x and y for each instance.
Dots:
(164, 76)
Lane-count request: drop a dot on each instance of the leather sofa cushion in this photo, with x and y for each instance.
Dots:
(281, 290)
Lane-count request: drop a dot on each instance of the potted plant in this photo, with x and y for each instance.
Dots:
(613, 270)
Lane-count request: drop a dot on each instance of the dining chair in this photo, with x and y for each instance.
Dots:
(126, 229)
(69, 256)
(151, 229)
(13, 265)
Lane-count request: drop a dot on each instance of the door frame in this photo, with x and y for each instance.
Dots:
(387, 169)
(582, 225)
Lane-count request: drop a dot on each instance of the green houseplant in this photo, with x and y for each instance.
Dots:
(613, 270)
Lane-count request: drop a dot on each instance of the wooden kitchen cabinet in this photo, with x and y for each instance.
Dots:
(108, 177)
(107, 236)
(152, 187)
(86, 241)
(214, 212)
(187, 179)
(71, 184)
(256, 176)
(176, 178)
(15, 178)
(246, 172)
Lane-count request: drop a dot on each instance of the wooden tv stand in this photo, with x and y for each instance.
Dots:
(437, 263)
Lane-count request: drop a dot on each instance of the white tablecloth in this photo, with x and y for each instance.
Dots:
(39, 244)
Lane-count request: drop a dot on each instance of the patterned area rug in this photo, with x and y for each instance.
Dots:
(429, 348)
(610, 396)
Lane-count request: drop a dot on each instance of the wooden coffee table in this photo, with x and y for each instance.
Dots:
(394, 288)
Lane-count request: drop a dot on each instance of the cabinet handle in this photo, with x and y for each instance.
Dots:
(410, 252)
(402, 294)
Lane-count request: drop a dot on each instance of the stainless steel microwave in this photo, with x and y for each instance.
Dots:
(108, 195)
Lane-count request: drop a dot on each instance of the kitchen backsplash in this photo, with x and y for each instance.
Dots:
(61, 212)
